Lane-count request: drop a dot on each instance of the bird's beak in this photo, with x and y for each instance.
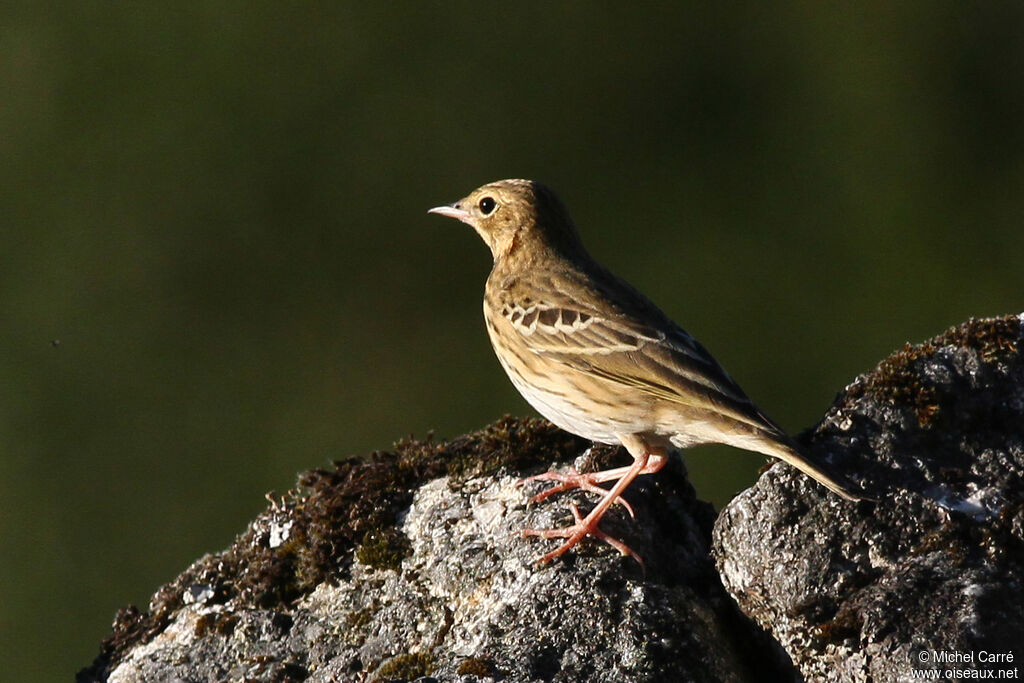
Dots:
(451, 211)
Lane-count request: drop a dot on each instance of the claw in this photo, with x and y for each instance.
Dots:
(575, 533)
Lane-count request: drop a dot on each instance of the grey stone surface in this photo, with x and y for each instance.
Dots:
(856, 592)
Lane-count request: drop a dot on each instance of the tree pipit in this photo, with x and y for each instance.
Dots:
(598, 359)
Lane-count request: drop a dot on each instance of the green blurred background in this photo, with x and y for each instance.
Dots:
(217, 267)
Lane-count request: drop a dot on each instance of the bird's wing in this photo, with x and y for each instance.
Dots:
(657, 358)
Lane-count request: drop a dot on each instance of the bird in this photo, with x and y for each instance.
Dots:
(598, 359)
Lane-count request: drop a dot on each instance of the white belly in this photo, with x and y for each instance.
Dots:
(568, 415)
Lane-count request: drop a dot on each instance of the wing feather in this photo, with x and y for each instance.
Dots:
(665, 363)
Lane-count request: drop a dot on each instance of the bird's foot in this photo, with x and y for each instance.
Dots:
(575, 533)
(575, 480)
(644, 462)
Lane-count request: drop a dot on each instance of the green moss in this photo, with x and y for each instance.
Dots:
(898, 379)
(359, 618)
(994, 339)
(475, 666)
(226, 624)
(212, 622)
(356, 622)
(204, 624)
(384, 549)
(405, 667)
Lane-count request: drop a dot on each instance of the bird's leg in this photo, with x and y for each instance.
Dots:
(589, 481)
(643, 462)
(610, 540)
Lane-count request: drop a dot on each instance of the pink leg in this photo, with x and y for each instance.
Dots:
(644, 462)
(589, 482)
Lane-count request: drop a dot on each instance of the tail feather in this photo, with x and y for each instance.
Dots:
(824, 474)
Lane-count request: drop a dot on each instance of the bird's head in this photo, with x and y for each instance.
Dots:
(512, 214)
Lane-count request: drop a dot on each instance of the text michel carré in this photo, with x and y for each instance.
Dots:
(981, 657)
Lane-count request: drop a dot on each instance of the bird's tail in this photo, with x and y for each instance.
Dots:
(821, 472)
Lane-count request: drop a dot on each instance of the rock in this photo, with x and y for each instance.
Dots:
(408, 565)
(411, 565)
(859, 592)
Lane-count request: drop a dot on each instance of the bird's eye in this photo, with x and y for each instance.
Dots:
(487, 205)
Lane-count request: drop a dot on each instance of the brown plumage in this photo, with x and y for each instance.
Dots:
(597, 358)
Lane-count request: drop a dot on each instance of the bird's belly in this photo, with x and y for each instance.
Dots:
(568, 409)
(570, 418)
